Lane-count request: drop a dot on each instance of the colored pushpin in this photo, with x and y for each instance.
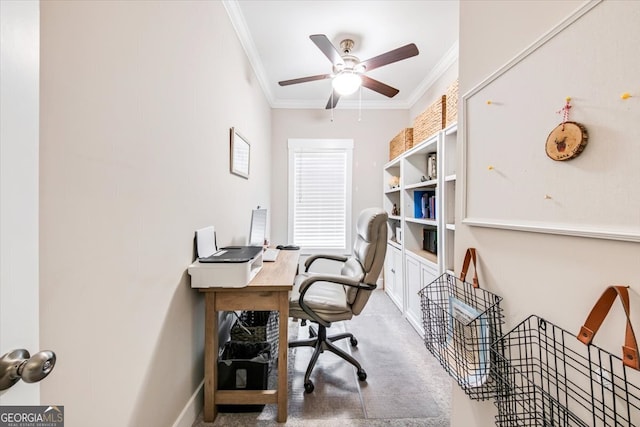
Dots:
(568, 99)
(625, 95)
(488, 102)
(547, 197)
(490, 168)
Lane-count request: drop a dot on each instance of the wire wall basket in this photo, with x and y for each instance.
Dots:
(548, 377)
(461, 321)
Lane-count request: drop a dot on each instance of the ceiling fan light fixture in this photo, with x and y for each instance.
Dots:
(348, 73)
(347, 82)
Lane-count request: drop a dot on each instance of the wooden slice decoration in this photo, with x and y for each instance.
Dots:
(566, 141)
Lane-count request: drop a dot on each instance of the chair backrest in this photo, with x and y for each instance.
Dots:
(369, 250)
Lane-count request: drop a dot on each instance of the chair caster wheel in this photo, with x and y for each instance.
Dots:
(362, 375)
(354, 341)
(308, 386)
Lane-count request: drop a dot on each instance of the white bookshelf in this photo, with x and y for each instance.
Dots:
(409, 266)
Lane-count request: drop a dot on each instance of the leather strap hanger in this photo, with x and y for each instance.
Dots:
(469, 257)
(597, 315)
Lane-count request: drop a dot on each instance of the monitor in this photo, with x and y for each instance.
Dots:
(258, 230)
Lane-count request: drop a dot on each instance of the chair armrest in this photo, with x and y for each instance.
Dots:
(313, 258)
(331, 278)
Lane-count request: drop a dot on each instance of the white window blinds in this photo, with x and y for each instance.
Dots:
(320, 194)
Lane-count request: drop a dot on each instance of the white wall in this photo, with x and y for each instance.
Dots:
(137, 99)
(19, 37)
(556, 277)
(371, 136)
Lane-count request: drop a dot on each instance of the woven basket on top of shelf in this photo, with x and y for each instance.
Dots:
(401, 143)
(430, 120)
(451, 109)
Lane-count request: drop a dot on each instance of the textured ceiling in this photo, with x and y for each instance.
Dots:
(275, 35)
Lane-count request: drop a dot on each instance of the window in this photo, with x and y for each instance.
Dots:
(320, 194)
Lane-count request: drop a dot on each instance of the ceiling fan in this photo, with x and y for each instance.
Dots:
(348, 72)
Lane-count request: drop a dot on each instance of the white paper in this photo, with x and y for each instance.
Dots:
(206, 242)
(474, 332)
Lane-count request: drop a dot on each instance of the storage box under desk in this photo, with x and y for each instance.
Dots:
(243, 366)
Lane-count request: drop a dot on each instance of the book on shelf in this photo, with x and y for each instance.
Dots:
(425, 204)
(430, 239)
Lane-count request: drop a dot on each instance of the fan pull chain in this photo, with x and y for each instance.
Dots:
(333, 108)
(360, 104)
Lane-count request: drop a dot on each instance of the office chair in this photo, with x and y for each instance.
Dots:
(326, 298)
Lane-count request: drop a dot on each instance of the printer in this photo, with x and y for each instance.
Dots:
(229, 267)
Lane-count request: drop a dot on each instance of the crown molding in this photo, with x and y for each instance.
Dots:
(449, 58)
(319, 104)
(244, 35)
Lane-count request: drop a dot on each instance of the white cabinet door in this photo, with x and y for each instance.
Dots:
(419, 273)
(414, 284)
(429, 273)
(393, 275)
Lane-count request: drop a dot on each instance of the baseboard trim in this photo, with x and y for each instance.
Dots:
(192, 409)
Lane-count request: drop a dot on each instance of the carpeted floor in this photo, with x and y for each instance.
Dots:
(405, 385)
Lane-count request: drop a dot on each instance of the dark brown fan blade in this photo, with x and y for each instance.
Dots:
(333, 100)
(327, 48)
(379, 87)
(304, 79)
(390, 57)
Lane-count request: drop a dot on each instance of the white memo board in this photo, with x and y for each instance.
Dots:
(593, 57)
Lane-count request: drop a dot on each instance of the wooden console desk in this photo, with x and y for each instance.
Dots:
(269, 290)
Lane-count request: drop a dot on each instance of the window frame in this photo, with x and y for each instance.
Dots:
(297, 145)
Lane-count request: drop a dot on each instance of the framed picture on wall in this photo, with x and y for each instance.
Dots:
(240, 150)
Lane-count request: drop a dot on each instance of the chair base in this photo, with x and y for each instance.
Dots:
(321, 342)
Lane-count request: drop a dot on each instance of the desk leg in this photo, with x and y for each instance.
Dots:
(210, 355)
(283, 349)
